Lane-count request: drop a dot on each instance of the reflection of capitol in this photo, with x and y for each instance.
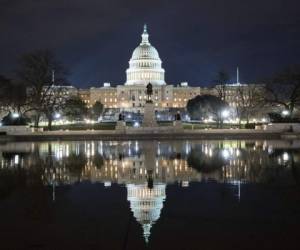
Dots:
(146, 168)
(130, 162)
(146, 204)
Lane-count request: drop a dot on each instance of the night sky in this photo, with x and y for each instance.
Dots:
(195, 38)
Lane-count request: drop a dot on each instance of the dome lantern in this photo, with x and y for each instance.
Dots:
(145, 36)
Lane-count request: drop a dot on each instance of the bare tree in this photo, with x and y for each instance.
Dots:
(53, 103)
(12, 96)
(249, 100)
(284, 89)
(205, 106)
(36, 72)
(221, 87)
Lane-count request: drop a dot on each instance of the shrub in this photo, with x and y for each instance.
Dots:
(9, 120)
(250, 125)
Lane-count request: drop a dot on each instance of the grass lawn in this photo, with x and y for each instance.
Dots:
(112, 125)
(84, 126)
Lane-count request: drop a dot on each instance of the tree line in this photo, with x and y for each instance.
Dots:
(279, 94)
(39, 89)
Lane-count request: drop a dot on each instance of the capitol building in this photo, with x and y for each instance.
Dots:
(145, 66)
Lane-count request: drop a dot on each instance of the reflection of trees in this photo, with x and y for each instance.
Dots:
(37, 195)
(296, 172)
(11, 155)
(98, 161)
(10, 180)
(284, 165)
(30, 184)
(205, 163)
(75, 164)
(222, 161)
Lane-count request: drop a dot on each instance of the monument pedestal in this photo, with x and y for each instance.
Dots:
(149, 115)
(121, 127)
(177, 125)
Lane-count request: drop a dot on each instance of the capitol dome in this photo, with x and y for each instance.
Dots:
(145, 51)
(145, 64)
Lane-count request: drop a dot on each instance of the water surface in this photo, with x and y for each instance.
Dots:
(150, 195)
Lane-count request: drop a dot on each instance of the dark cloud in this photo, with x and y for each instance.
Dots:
(195, 39)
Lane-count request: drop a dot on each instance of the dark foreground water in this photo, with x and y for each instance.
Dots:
(150, 195)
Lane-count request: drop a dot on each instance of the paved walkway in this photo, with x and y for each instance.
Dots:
(149, 135)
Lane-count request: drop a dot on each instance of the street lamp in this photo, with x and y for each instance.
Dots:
(57, 116)
(225, 113)
(15, 115)
(285, 112)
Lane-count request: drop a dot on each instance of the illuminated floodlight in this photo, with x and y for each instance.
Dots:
(57, 115)
(264, 120)
(15, 115)
(285, 112)
(225, 113)
(136, 124)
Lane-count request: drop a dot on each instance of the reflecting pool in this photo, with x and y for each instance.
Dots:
(150, 195)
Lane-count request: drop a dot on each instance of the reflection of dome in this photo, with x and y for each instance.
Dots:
(145, 64)
(146, 204)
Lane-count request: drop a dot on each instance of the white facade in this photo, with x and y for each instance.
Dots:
(145, 64)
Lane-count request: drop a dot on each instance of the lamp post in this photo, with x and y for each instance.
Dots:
(15, 115)
(224, 114)
(285, 113)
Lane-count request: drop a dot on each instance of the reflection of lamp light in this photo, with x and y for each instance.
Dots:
(185, 184)
(225, 154)
(107, 184)
(285, 156)
(17, 159)
(136, 124)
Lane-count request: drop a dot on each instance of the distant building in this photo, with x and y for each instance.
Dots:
(85, 96)
(145, 66)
